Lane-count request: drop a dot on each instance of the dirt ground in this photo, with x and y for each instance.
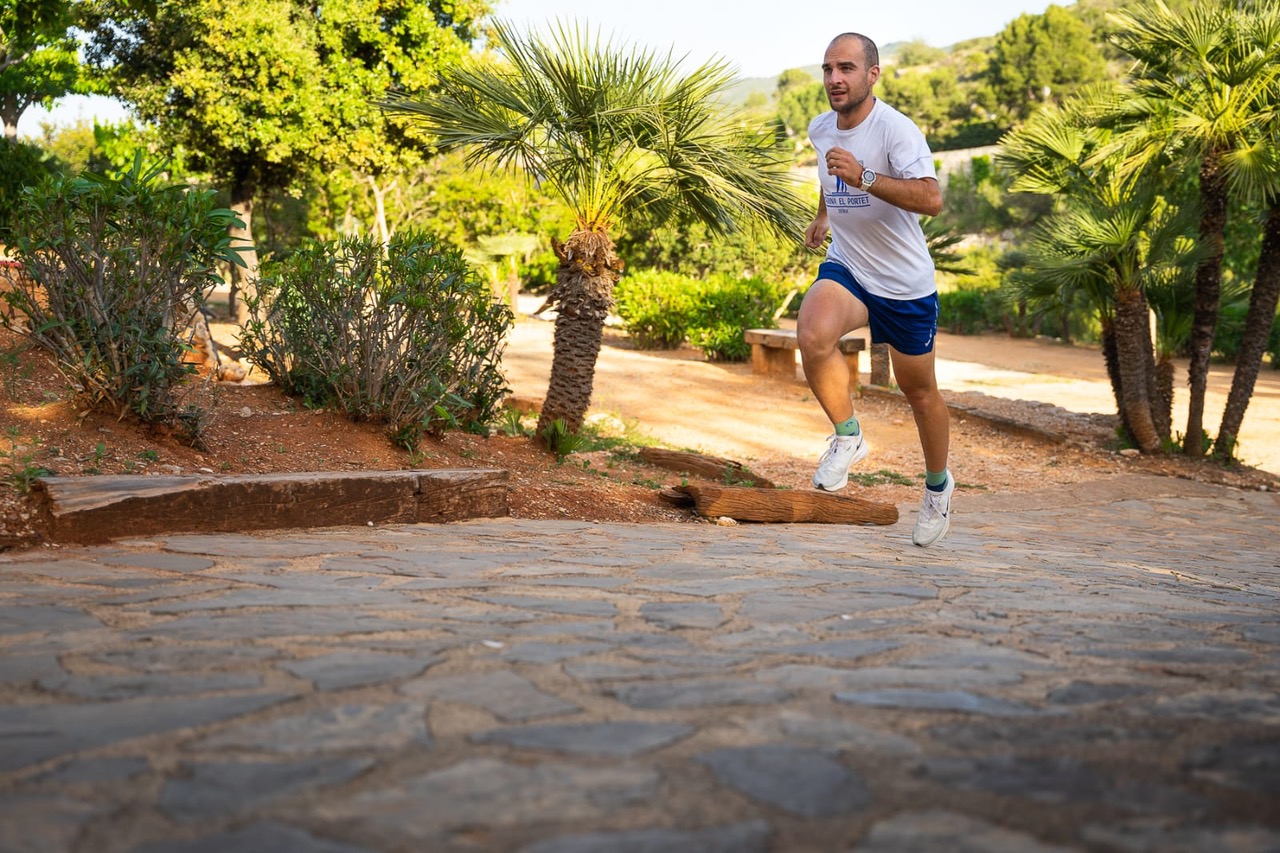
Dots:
(675, 399)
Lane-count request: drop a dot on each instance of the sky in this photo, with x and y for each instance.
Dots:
(759, 39)
(762, 39)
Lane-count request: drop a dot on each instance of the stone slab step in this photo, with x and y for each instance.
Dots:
(98, 509)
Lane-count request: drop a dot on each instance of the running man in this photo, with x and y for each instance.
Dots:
(877, 177)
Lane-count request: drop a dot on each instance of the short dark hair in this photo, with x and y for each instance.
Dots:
(869, 50)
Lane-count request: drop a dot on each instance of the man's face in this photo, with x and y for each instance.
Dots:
(845, 75)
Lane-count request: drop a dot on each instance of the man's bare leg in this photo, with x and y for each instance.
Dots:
(828, 312)
(916, 377)
(918, 381)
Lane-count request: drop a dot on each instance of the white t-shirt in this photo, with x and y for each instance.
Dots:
(882, 245)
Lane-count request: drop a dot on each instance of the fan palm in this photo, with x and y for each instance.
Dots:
(614, 133)
(1112, 238)
(1203, 80)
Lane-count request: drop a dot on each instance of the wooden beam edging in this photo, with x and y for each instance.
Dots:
(87, 510)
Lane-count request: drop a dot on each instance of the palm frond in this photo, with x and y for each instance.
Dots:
(615, 131)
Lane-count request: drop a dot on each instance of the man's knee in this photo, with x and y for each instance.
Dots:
(816, 339)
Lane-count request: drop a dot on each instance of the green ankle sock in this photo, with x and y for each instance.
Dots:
(936, 482)
(849, 427)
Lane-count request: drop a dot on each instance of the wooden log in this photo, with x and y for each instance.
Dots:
(711, 467)
(780, 505)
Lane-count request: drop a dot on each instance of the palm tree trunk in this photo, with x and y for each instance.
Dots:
(582, 296)
(1257, 331)
(1213, 219)
(1135, 365)
(1111, 359)
(1162, 402)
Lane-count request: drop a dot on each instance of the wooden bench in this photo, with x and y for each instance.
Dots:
(773, 353)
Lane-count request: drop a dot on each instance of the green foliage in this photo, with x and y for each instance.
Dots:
(970, 309)
(977, 200)
(560, 441)
(511, 423)
(117, 266)
(695, 250)
(39, 58)
(412, 339)
(262, 94)
(1041, 59)
(800, 98)
(934, 97)
(21, 469)
(657, 307)
(882, 477)
(728, 307)
(656, 143)
(661, 310)
(21, 165)
(1228, 335)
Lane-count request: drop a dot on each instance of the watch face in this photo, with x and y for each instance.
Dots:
(868, 178)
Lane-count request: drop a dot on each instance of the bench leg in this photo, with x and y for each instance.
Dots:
(851, 359)
(880, 374)
(773, 361)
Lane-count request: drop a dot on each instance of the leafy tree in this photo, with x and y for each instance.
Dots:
(915, 53)
(38, 57)
(367, 47)
(617, 134)
(1039, 59)
(261, 93)
(1204, 90)
(800, 98)
(933, 97)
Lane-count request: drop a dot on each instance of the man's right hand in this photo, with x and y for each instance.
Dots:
(816, 232)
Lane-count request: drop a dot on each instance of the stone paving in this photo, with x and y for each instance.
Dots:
(1092, 668)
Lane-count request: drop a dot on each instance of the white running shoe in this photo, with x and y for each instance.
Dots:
(934, 519)
(833, 467)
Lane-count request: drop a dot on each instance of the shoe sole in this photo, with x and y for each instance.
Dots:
(857, 457)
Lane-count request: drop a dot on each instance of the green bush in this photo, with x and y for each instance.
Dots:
(538, 274)
(661, 310)
(118, 264)
(728, 307)
(21, 166)
(411, 338)
(971, 309)
(1229, 333)
(657, 307)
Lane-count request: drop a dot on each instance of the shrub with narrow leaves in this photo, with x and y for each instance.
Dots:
(115, 267)
(410, 337)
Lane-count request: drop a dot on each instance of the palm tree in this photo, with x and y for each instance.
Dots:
(1201, 75)
(1259, 168)
(614, 133)
(1111, 238)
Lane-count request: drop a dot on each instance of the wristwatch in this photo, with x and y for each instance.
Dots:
(868, 178)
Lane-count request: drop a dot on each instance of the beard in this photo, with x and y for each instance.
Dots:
(852, 102)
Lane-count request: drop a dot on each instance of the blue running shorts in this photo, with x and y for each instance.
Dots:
(907, 325)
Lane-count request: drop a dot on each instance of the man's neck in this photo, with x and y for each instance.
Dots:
(856, 116)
